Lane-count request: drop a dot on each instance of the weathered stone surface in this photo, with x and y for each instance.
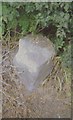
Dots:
(34, 59)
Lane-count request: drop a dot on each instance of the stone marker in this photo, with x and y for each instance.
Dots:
(34, 60)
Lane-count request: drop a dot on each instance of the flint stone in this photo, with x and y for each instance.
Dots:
(34, 60)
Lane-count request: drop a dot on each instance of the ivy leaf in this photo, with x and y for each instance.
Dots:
(66, 17)
(12, 24)
(59, 42)
(24, 23)
(66, 7)
(29, 7)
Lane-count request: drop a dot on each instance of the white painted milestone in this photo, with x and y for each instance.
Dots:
(34, 60)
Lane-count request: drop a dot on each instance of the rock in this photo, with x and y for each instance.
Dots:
(34, 60)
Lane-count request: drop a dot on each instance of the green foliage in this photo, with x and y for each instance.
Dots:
(66, 56)
(32, 17)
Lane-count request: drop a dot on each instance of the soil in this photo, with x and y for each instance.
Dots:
(49, 100)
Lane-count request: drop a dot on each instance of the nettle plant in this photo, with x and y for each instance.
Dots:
(35, 17)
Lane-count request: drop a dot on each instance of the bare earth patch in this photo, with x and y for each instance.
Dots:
(50, 100)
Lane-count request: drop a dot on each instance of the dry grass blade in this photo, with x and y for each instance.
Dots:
(15, 96)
